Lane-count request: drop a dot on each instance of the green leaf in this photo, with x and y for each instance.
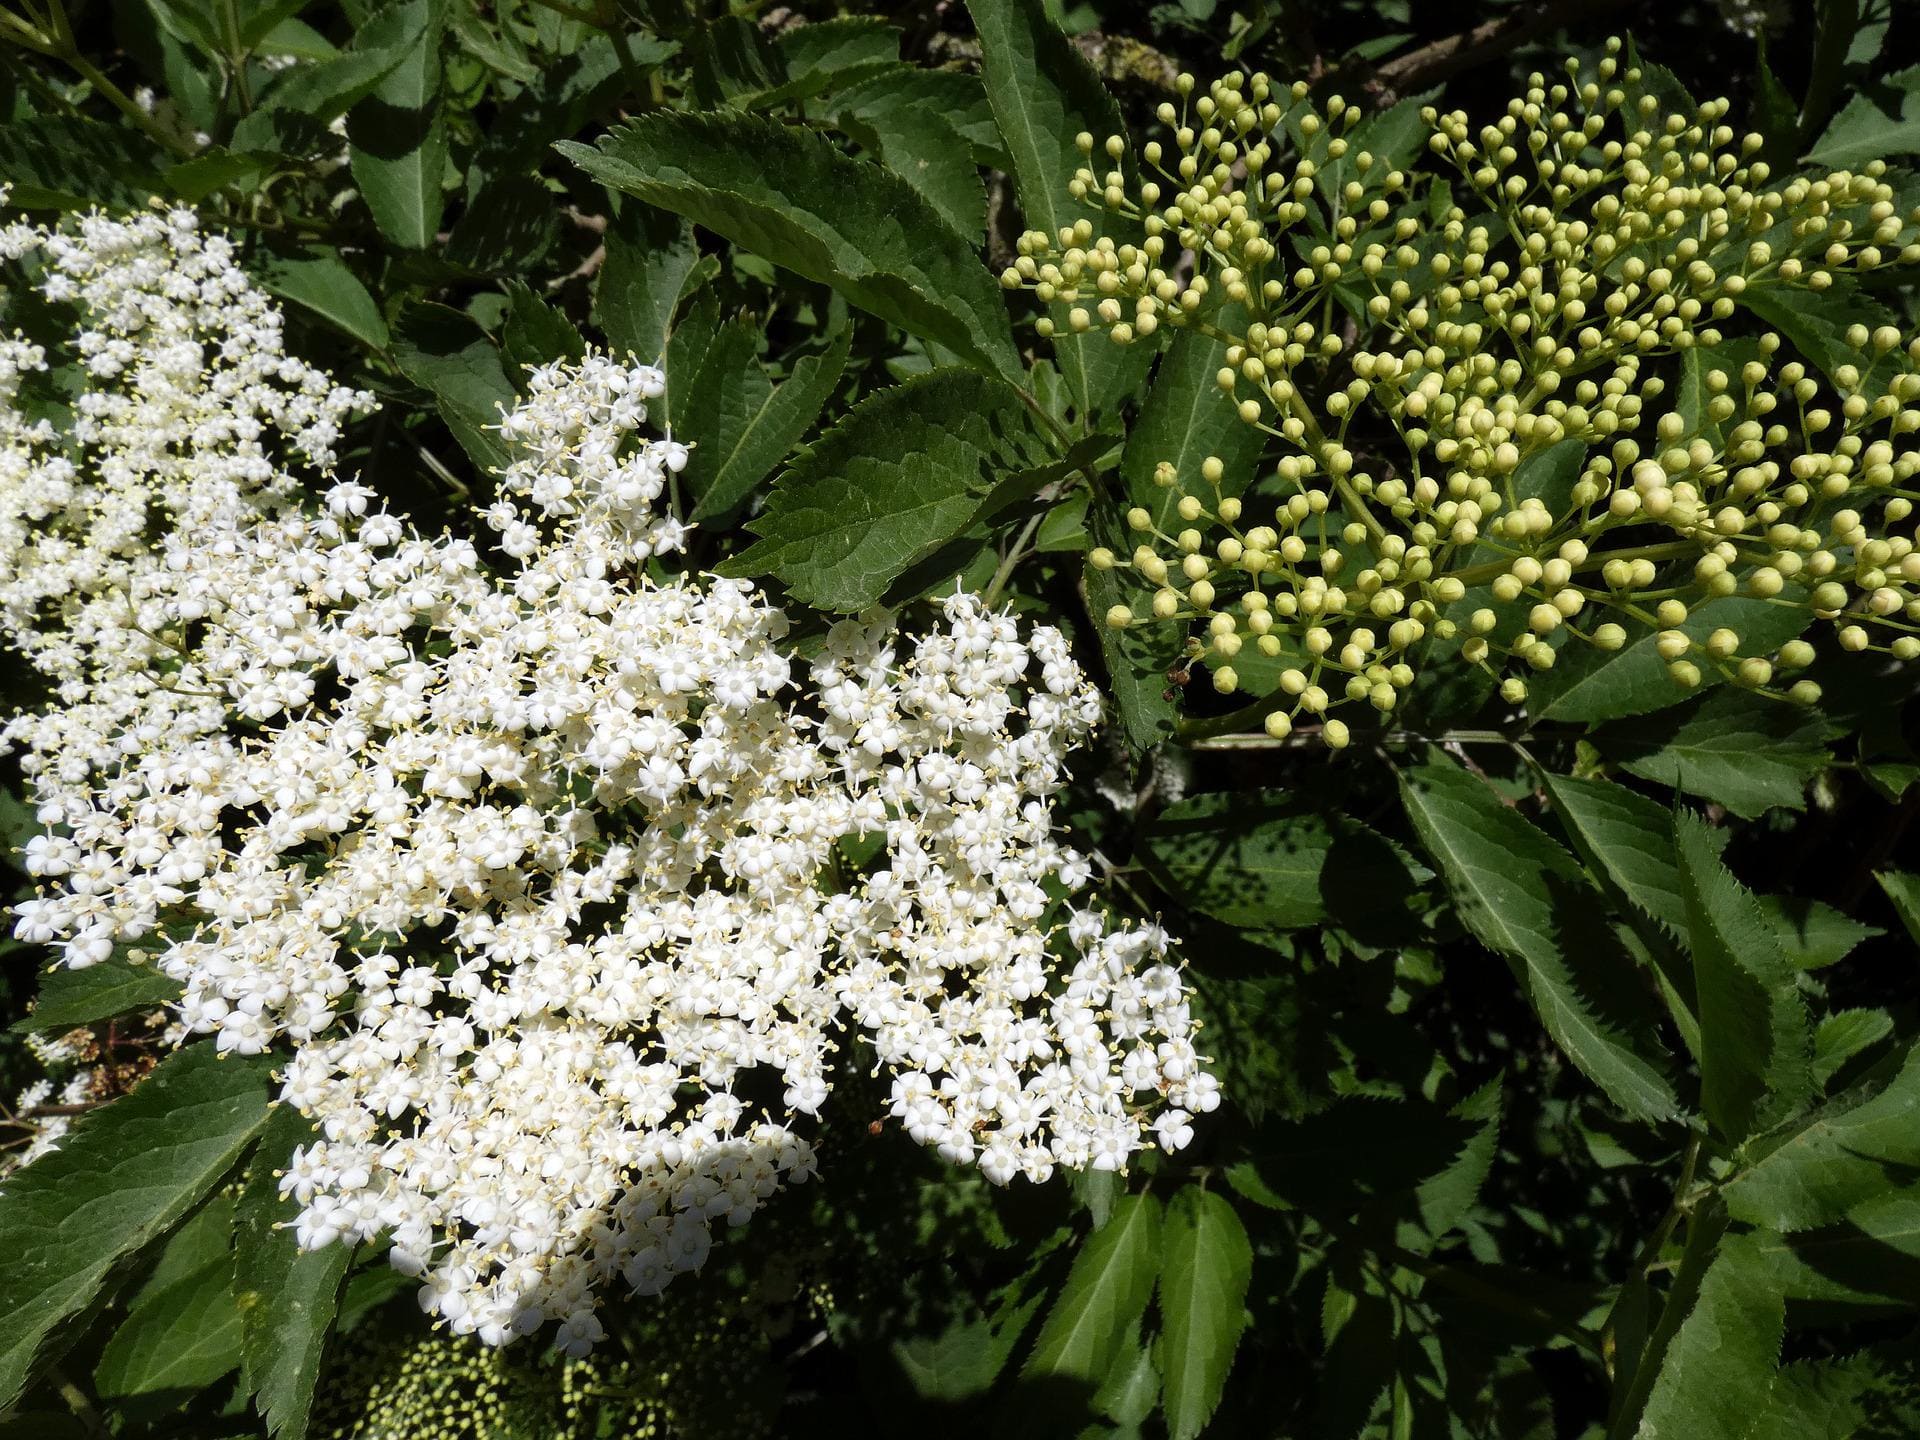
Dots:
(1522, 896)
(1138, 658)
(1630, 840)
(202, 1238)
(1268, 859)
(397, 139)
(319, 94)
(1746, 752)
(745, 451)
(1903, 889)
(62, 162)
(1813, 935)
(1815, 322)
(216, 169)
(1882, 119)
(1044, 93)
(1444, 1198)
(966, 1358)
(902, 474)
(69, 998)
(650, 254)
(445, 353)
(122, 1176)
(322, 283)
(183, 1339)
(1132, 1387)
(1849, 1151)
(1206, 1262)
(1588, 684)
(687, 346)
(1754, 1041)
(732, 60)
(507, 228)
(830, 53)
(1843, 1035)
(920, 138)
(286, 1295)
(1184, 420)
(535, 334)
(499, 50)
(1724, 1354)
(791, 196)
(1106, 1291)
(1868, 1260)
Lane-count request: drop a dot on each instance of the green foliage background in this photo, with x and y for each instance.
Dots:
(1570, 1076)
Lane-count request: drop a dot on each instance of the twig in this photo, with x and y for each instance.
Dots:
(1440, 60)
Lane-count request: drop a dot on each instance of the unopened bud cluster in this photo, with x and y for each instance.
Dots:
(1511, 420)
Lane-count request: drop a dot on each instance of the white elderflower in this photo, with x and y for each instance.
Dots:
(530, 869)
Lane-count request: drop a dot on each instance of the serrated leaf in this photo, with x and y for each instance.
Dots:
(1815, 323)
(892, 115)
(745, 453)
(1630, 839)
(687, 346)
(966, 1358)
(1881, 119)
(122, 1176)
(1206, 1263)
(1522, 896)
(1445, 1198)
(959, 97)
(834, 52)
(1106, 1291)
(650, 254)
(1844, 1034)
(397, 139)
(1849, 1152)
(1043, 93)
(1903, 889)
(286, 1295)
(1754, 1044)
(1265, 859)
(1589, 685)
(789, 195)
(1138, 658)
(63, 162)
(1184, 420)
(318, 94)
(535, 334)
(1813, 935)
(506, 229)
(1723, 1355)
(902, 474)
(1867, 1261)
(445, 353)
(323, 284)
(183, 1339)
(70, 998)
(1745, 752)
(202, 1238)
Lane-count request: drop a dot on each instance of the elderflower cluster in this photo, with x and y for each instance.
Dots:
(1514, 418)
(561, 882)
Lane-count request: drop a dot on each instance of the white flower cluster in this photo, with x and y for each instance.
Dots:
(562, 882)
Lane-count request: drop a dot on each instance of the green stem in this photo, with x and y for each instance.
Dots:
(126, 105)
(83, 1409)
(1016, 552)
